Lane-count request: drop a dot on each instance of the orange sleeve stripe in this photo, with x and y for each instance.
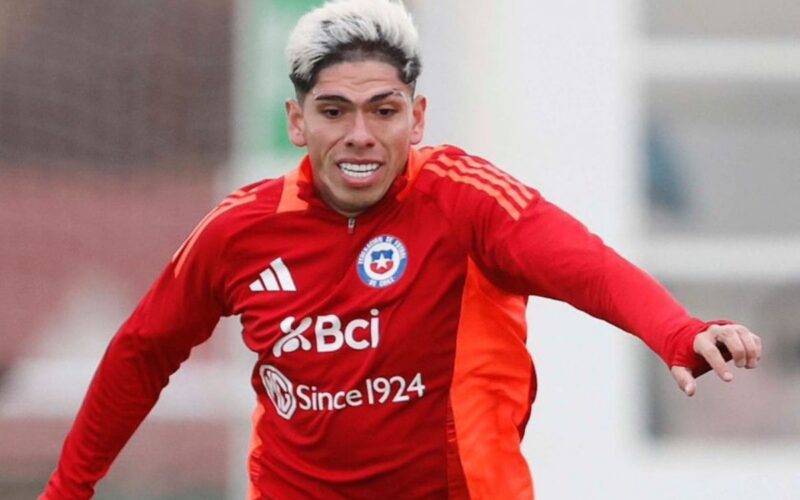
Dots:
(255, 444)
(482, 173)
(227, 201)
(484, 165)
(230, 201)
(186, 248)
(290, 196)
(427, 152)
(479, 185)
(238, 194)
(191, 235)
(490, 394)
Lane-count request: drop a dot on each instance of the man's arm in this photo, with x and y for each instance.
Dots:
(179, 311)
(549, 253)
(529, 246)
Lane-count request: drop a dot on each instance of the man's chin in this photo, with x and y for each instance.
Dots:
(352, 206)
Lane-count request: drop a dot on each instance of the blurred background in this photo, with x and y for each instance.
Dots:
(671, 128)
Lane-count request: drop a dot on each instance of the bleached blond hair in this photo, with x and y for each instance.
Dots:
(353, 30)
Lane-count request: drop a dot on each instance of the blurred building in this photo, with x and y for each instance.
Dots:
(115, 121)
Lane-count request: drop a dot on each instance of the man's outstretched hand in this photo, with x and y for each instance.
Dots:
(743, 345)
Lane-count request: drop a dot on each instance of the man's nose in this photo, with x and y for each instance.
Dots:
(359, 135)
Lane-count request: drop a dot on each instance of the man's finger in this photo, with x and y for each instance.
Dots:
(728, 336)
(683, 376)
(708, 349)
(751, 346)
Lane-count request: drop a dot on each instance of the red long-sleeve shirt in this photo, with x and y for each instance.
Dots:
(391, 346)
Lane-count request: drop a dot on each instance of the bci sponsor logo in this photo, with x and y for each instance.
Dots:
(330, 334)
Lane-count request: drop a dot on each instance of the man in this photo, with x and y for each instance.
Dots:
(384, 289)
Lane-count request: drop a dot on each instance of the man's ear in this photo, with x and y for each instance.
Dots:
(418, 111)
(297, 129)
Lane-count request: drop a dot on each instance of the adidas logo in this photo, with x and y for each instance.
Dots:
(275, 278)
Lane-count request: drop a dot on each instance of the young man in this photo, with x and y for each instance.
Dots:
(384, 290)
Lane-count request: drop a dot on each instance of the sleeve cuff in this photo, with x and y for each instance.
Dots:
(684, 354)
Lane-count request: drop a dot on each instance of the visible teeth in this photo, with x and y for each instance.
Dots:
(359, 170)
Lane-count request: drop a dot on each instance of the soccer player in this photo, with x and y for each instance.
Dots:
(383, 288)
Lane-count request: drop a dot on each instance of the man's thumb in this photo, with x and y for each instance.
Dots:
(683, 376)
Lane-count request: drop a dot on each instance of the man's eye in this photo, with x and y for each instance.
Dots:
(386, 112)
(332, 112)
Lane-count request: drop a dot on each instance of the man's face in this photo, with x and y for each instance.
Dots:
(357, 124)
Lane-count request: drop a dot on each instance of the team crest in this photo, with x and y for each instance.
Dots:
(382, 262)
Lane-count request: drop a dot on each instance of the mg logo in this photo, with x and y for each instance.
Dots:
(280, 390)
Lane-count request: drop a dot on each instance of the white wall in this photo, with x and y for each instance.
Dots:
(549, 91)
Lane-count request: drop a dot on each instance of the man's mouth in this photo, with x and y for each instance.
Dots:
(358, 170)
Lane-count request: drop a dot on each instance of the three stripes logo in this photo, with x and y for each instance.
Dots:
(512, 196)
(275, 278)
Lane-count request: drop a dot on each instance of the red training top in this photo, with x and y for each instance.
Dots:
(391, 346)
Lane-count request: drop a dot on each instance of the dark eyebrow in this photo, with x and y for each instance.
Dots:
(383, 96)
(333, 97)
(340, 98)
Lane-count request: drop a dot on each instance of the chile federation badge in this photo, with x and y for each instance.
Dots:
(382, 262)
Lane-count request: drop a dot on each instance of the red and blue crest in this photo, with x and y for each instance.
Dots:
(382, 261)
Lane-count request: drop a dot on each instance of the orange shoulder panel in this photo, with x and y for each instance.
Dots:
(290, 196)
